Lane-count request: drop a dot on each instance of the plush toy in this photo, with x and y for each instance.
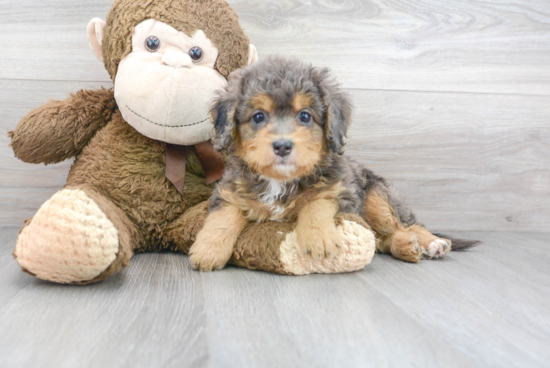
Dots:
(144, 165)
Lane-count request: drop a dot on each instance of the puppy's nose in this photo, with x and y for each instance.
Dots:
(283, 148)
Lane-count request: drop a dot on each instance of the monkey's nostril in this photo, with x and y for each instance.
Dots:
(283, 148)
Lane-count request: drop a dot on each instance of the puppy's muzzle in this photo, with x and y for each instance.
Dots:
(283, 148)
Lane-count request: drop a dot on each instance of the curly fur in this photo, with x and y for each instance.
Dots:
(281, 79)
(281, 88)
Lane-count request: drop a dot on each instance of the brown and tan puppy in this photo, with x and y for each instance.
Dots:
(284, 124)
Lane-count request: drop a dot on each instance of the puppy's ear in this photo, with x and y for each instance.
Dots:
(224, 112)
(338, 110)
(223, 116)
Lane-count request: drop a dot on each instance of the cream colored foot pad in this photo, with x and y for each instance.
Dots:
(69, 240)
(358, 251)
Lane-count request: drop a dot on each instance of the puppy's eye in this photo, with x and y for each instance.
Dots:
(195, 53)
(258, 118)
(305, 117)
(152, 44)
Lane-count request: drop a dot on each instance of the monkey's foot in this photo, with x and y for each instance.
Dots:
(69, 241)
(357, 246)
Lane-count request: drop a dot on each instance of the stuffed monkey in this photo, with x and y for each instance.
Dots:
(144, 165)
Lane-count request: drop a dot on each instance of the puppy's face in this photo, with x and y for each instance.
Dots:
(281, 117)
(281, 139)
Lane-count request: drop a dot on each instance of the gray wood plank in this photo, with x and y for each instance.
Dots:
(492, 303)
(260, 320)
(487, 307)
(412, 45)
(19, 204)
(52, 40)
(464, 162)
(150, 315)
(468, 46)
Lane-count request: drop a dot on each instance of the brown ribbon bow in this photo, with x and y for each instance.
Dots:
(176, 157)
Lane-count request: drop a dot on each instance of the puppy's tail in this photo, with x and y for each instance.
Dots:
(459, 245)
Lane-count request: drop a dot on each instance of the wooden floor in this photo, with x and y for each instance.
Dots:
(489, 307)
(452, 103)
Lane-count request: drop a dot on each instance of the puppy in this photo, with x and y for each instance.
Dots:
(283, 124)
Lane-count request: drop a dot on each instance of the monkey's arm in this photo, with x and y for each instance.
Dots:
(59, 130)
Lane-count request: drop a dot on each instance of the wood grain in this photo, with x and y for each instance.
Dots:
(463, 161)
(467, 46)
(452, 104)
(314, 320)
(452, 98)
(485, 307)
(491, 302)
(150, 315)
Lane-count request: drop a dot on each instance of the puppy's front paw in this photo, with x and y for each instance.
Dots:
(320, 243)
(208, 257)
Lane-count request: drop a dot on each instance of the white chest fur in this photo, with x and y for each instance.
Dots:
(272, 196)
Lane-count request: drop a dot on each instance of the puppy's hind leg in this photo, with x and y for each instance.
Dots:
(397, 230)
(392, 236)
(433, 247)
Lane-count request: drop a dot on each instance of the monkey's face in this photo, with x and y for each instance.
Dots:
(167, 58)
(164, 87)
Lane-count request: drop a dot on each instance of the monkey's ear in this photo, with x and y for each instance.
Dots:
(223, 116)
(252, 55)
(338, 111)
(96, 29)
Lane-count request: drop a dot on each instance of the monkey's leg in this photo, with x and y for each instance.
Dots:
(181, 234)
(273, 247)
(76, 237)
(214, 245)
(392, 237)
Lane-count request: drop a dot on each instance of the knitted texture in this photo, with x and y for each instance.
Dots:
(357, 252)
(69, 240)
(273, 247)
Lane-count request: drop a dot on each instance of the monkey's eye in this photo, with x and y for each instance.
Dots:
(305, 117)
(258, 118)
(152, 44)
(195, 53)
